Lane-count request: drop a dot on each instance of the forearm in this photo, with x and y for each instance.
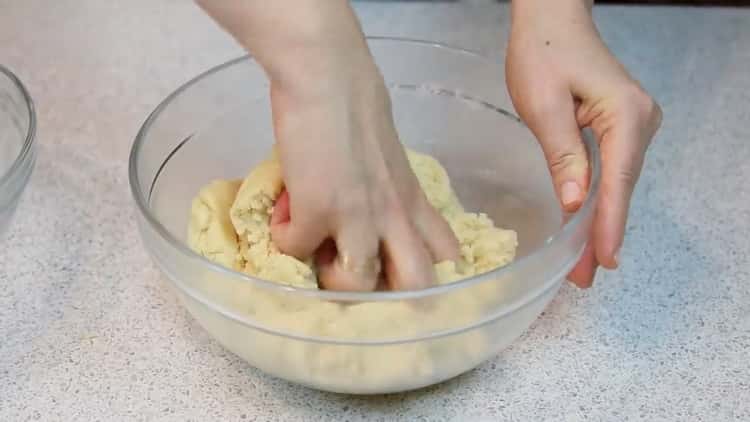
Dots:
(308, 37)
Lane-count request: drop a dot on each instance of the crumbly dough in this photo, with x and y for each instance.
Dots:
(210, 231)
(241, 239)
(229, 224)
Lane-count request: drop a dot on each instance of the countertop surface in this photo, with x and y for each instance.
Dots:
(90, 331)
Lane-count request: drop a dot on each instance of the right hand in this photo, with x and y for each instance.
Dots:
(351, 195)
(352, 201)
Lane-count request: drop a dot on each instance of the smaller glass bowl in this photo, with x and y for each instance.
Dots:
(17, 129)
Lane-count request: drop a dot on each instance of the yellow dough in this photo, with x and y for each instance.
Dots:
(229, 224)
(245, 243)
(210, 232)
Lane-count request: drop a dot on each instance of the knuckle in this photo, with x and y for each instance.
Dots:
(628, 177)
(645, 105)
(645, 109)
(563, 160)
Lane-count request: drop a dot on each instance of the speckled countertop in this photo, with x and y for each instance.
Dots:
(89, 331)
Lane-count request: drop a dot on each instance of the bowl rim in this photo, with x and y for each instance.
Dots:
(141, 199)
(30, 133)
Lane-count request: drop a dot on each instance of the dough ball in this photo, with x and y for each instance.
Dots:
(251, 214)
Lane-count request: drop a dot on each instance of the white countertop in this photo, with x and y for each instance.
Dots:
(90, 331)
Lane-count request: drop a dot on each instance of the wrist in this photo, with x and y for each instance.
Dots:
(560, 23)
(317, 56)
(525, 13)
(301, 47)
(315, 73)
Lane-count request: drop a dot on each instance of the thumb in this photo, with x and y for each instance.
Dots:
(299, 238)
(558, 133)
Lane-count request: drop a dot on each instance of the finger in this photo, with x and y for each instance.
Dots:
(408, 264)
(623, 148)
(281, 209)
(299, 237)
(557, 130)
(582, 275)
(357, 263)
(325, 254)
(437, 234)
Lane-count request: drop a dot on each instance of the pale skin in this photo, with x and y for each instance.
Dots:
(352, 201)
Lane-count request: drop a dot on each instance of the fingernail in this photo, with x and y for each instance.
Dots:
(616, 257)
(570, 193)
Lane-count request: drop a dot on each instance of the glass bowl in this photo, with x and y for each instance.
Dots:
(17, 127)
(447, 102)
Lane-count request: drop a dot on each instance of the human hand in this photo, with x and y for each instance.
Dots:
(349, 186)
(562, 78)
(351, 198)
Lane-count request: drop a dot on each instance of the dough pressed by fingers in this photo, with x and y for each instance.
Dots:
(250, 214)
(210, 231)
(246, 244)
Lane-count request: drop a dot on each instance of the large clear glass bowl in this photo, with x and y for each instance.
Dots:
(447, 102)
(17, 126)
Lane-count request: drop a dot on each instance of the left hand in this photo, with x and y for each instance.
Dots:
(562, 78)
